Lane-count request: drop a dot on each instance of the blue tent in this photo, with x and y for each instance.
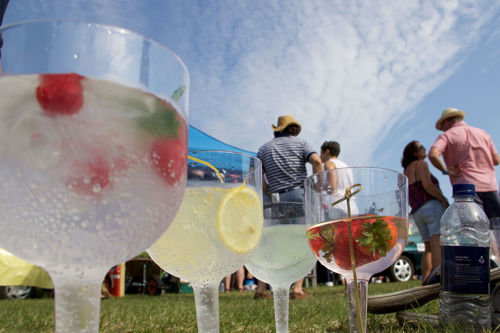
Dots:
(197, 140)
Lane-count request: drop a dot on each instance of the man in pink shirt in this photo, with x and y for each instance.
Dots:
(470, 157)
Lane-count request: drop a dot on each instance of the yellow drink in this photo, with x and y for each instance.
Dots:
(213, 234)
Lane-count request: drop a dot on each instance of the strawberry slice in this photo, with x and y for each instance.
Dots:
(90, 178)
(169, 158)
(60, 94)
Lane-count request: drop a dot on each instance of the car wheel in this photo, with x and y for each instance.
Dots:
(17, 292)
(402, 270)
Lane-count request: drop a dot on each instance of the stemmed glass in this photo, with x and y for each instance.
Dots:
(357, 229)
(495, 239)
(217, 228)
(283, 255)
(93, 150)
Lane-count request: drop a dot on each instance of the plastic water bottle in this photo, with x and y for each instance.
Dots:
(465, 269)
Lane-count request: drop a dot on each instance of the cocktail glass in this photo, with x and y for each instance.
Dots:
(495, 239)
(357, 229)
(283, 255)
(93, 149)
(217, 228)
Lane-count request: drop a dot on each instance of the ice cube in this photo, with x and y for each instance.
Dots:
(35, 141)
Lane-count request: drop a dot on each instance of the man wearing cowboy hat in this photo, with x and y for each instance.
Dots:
(470, 157)
(284, 160)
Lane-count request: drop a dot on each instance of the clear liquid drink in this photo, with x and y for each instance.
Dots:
(465, 275)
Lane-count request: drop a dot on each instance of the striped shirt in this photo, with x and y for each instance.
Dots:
(284, 162)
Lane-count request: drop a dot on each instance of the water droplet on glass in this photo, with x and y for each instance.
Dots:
(96, 188)
(86, 180)
(36, 142)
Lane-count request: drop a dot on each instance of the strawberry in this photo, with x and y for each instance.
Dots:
(169, 158)
(341, 252)
(316, 242)
(372, 236)
(378, 237)
(60, 94)
(89, 178)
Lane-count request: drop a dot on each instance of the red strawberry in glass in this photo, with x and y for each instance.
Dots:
(169, 157)
(168, 151)
(60, 94)
(90, 177)
(373, 238)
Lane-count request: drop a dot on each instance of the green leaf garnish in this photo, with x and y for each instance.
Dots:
(376, 236)
(162, 122)
(177, 94)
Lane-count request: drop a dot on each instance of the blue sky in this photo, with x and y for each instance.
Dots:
(372, 75)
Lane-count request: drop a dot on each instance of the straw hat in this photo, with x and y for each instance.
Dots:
(284, 122)
(449, 113)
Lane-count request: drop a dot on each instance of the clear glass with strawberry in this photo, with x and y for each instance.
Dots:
(359, 230)
(93, 151)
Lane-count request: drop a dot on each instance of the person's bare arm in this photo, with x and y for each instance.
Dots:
(425, 176)
(315, 161)
(435, 158)
(332, 176)
(496, 159)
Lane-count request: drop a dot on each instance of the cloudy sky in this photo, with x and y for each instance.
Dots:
(372, 75)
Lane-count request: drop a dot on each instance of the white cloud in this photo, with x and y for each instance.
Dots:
(347, 70)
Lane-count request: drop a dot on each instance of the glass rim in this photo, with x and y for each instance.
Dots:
(257, 163)
(100, 25)
(222, 152)
(357, 168)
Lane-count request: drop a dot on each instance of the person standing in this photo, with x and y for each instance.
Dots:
(3, 7)
(284, 161)
(470, 157)
(427, 204)
(340, 180)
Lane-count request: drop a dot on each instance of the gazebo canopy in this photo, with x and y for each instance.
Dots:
(197, 140)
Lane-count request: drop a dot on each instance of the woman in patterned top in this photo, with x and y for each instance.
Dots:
(427, 203)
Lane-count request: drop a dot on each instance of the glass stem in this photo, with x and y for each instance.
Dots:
(357, 315)
(206, 299)
(281, 304)
(77, 303)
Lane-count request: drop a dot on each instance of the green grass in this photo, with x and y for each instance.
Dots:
(327, 311)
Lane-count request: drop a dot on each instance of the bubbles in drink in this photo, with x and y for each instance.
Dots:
(70, 180)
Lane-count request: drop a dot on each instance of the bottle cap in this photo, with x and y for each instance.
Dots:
(464, 189)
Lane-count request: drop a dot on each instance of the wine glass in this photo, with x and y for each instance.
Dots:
(283, 255)
(93, 150)
(495, 239)
(217, 228)
(359, 230)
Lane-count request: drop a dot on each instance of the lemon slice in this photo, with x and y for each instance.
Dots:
(240, 219)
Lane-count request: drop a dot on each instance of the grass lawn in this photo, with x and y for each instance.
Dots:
(325, 312)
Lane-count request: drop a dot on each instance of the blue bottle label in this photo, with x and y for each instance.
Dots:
(465, 269)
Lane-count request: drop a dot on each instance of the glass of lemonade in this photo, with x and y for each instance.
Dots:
(217, 228)
(360, 236)
(283, 255)
(93, 151)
